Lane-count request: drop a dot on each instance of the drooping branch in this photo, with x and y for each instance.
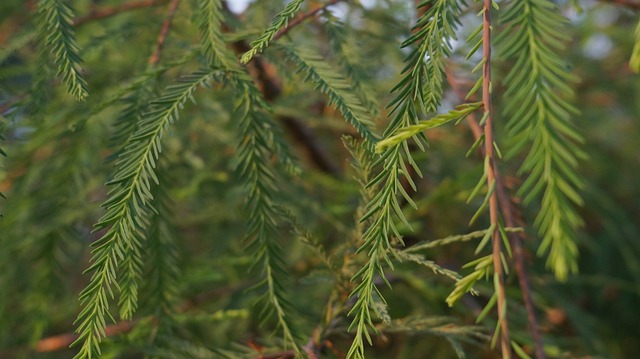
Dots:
(509, 213)
(490, 163)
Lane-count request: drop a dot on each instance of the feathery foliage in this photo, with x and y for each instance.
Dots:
(433, 33)
(538, 94)
(280, 22)
(128, 213)
(405, 133)
(345, 49)
(334, 85)
(258, 137)
(253, 164)
(57, 35)
(247, 230)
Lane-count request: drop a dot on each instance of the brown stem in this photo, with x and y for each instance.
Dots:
(302, 17)
(508, 210)
(635, 5)
(96, 14)
(521, 269)
(518, 253)
(62, 341)
(164, 31)
(491, 179)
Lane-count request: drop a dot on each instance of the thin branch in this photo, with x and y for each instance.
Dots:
(62, 341)
(508, 210)
(631, 4)
(302, 17)
(97, 14)
(491, 179)
(164, 31)
(521, 268)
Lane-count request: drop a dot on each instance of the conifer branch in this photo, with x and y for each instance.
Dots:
(405, 133)
(507, 210)
(260, 184)
(302, 17)
(259, 140)
(280, 22)
(266, 77)
(345, 48)
(62, 341)
(57, 34)
(420, 88)
(334, 85)
(538, 93)
(128, 210)
(490, 170)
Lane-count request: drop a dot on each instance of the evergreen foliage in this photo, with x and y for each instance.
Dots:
(538, 93)
(128, 211)
(57, 35)
(288, 214)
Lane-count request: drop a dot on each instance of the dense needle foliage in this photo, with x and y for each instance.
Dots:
(319, 179)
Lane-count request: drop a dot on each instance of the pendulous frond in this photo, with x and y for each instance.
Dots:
(259, 140)
(56, 33)
(538, 92)
(420, 90)
(128, 210)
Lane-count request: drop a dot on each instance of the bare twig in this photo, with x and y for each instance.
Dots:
(491, 179)
(164, 31)
(62, 341)
(101, 13)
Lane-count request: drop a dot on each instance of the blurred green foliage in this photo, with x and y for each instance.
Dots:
(58, 160)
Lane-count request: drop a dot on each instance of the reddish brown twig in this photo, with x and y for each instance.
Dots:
(302, 17)
(164, 31)
(491, 179)
(63, 341)
(508, 210)
(635, 5)
(101, 13)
